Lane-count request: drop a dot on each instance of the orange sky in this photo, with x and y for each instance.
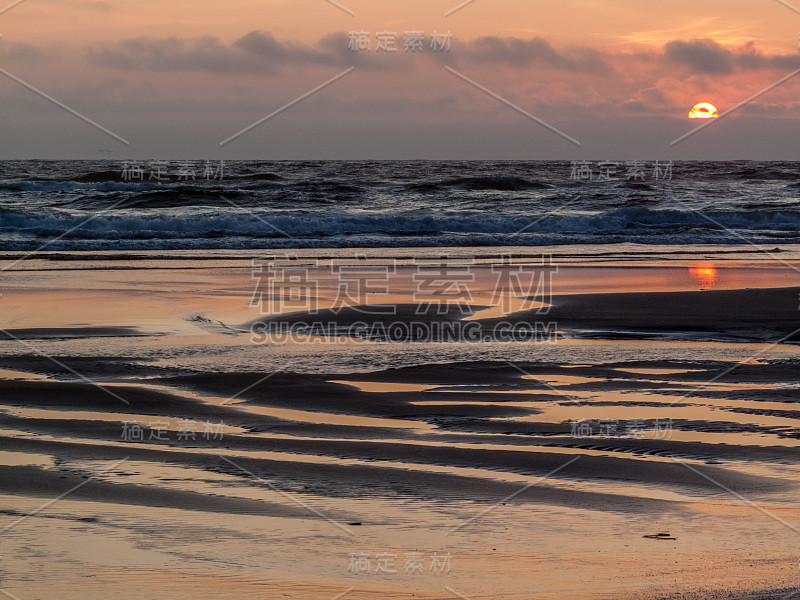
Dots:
(604, 23)
(200, 71)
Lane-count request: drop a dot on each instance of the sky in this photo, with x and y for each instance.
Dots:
(509, 79)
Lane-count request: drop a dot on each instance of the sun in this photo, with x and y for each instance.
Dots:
(704, 110)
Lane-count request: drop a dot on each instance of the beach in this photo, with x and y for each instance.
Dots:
(165, 430)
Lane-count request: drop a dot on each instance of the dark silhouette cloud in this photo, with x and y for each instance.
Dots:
(702, 56)
(256, 52)
(259, 52)
(519, 53)
(22, 53)
(708, 57)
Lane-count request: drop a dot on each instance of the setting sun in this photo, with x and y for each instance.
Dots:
(704, 110)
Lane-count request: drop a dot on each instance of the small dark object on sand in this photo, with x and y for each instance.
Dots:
(660, 536)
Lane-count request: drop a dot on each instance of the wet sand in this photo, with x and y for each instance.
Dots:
(613, 478)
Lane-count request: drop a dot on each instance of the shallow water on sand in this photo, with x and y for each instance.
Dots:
(348, 468)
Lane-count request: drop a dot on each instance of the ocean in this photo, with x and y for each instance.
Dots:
(101, 206)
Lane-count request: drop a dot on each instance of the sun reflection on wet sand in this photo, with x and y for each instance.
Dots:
(706, 275)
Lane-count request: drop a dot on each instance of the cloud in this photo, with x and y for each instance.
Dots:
(21, 53)
(260, 52)
(708, 57)
(257, 52)
(519, 53)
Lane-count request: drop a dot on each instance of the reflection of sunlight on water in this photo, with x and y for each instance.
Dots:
(704, 275)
